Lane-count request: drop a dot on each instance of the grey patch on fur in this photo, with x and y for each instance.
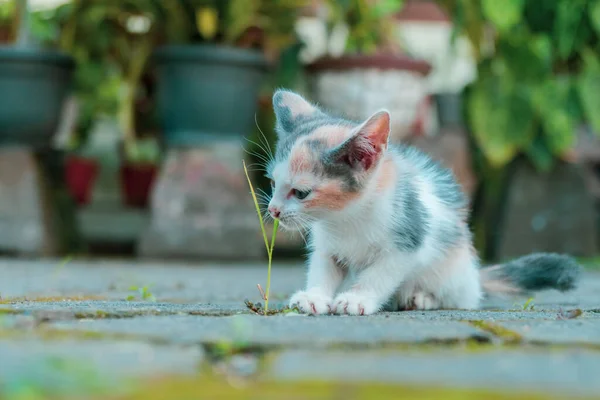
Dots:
(285, 121)
(446, 188)
(411, 227)
(302, 125)
(336, 168)
(540, 271)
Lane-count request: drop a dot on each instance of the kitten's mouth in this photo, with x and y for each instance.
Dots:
(289, 223)
(284, 224)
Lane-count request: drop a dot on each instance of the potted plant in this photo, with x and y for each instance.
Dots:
(138, 172)
(111, 42)
(207, 89)
(74, 28)
(34, 83)
(365, 69)
(538, 81)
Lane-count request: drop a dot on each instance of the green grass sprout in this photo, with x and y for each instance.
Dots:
(144, 293)
(269, 246)
(59, 268)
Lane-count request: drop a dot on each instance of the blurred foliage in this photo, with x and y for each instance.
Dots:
(112, 41)
(7, 15)
(369, 22)
(538, 75)
(263, 24)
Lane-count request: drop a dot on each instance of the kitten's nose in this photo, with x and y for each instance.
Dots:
(274, 211)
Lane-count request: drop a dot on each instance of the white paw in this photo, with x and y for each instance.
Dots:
(352, 303)
(424, 301)
(311, 302)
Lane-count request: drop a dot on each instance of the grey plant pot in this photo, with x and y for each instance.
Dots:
(33, 87)
(207, 93)
(450, 110)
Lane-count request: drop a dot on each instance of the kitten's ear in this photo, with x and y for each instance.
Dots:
(367, 143)
(288, 107)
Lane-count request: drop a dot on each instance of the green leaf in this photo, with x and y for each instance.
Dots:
(551, 100)
(504, 14)
(385, 8)
(130, 298)
(501, 118)
(595, 16)
(588, 86)
(567, 25)
(133, 288)
(540, 155)
(528, 57)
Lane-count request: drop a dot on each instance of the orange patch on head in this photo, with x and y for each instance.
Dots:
(331, 197)
(387, 175)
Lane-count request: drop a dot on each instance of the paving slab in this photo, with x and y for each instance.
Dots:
(203, 303)
(81, 366)
(288, 330)
(112, 279)
(79, 309)
(209, 282)
(577, 331)
(562, 373)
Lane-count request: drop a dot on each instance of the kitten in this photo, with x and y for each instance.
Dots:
(387, 219)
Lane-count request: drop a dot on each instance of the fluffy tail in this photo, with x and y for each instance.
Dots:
(533, 272)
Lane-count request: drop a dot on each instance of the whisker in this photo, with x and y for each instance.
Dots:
(266, 142)
(257, 155)
(266, 154)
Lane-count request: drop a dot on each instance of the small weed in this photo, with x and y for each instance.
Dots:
(62, 265)
(269, 246)
(258, 308)
(527, 306)
(142, 293)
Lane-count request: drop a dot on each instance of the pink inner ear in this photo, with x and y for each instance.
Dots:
(377, 130)
(372, 139)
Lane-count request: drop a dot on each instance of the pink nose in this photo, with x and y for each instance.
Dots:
(274, 211)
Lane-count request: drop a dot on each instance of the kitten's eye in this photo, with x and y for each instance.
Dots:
(301, 194)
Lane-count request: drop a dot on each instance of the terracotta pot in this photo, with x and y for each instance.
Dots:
(137, 181)
(80, 175)
(381, 61)
(359, 85)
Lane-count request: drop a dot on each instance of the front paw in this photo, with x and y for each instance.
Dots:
(352, 303)
(311, 302)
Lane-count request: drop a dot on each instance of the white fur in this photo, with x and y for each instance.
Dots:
(355, 266)
(430, 278)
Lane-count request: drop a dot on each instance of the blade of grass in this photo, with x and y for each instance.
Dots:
(262, 224)
(261, 291)
(275, 226)
(264, 233)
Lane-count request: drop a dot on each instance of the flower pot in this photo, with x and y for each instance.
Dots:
(449, 106)
(136, 184)
(207, 93)
(33, 87)
(80, 176)
(359, 85)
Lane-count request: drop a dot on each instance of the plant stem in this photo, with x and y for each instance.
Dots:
(22, 23)
(262, 225)
(275, 226)
(264, 232)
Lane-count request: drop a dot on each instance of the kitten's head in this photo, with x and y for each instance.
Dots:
(322, 164)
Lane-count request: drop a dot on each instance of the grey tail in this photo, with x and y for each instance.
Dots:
(533, 272)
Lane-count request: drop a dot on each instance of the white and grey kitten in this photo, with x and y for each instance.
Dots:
(388, 218)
